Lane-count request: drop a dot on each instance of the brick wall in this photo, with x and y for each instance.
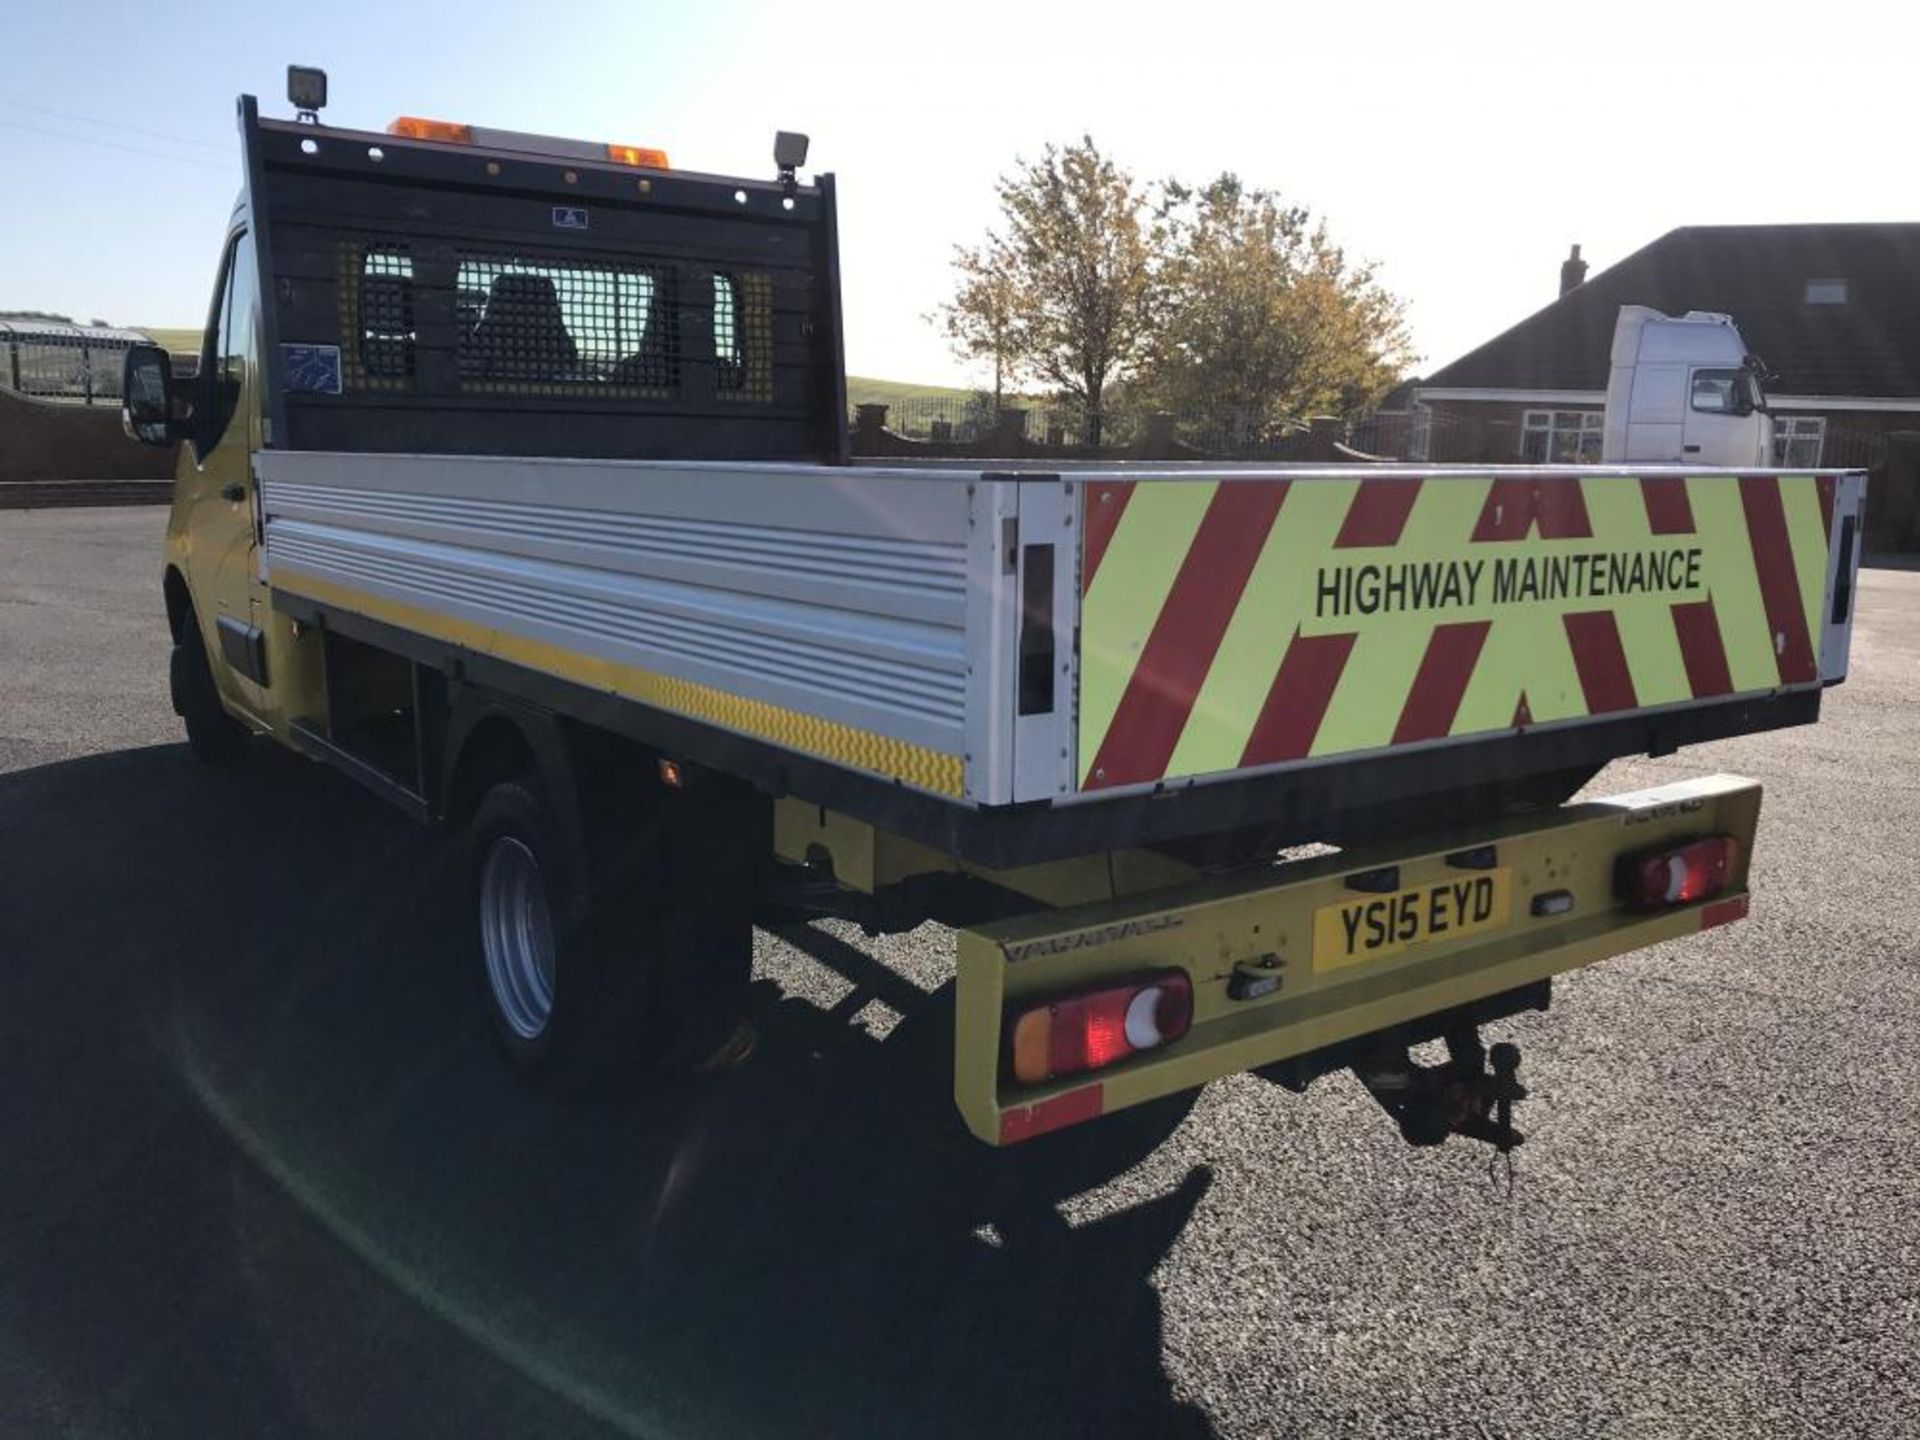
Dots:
(51, 440)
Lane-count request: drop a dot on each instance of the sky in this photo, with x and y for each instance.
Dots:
(1461, 147)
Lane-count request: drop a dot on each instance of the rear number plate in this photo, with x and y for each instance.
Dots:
(1374, 926)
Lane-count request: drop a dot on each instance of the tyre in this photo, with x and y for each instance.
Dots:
(562, 981)
(214, 736)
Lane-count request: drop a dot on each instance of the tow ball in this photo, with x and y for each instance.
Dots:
(1472, 1094)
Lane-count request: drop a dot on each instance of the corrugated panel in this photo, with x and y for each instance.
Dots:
(836, 594)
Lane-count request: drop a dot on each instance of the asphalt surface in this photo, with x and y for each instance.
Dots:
(260, 1173)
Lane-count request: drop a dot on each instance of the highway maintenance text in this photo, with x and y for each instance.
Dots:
(1384, 589)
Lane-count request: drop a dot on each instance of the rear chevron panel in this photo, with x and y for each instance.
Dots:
(1244, 622)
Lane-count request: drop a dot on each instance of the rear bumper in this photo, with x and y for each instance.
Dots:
(1264, 924)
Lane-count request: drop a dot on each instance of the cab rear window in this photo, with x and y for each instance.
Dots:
(524, 323)
(532, 326)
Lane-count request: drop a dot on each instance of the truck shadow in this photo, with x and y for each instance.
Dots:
(257, 1115)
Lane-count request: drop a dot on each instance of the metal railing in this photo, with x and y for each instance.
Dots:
(1030, 427)
(79, 364)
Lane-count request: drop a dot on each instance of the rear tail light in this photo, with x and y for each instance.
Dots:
(1677, 875)
(1095, 1029)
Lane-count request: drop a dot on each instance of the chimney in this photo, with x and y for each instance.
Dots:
(1572, 271)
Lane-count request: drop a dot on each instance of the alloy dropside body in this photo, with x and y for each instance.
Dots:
(516, 485)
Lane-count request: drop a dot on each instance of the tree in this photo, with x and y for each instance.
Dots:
(1070, 270)
(1264, 317)
(979, 320)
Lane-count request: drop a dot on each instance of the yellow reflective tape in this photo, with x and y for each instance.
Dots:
(795, 730)
(1135, 577)
(1727, 567)
(1279, 596)
(1800, 499)
(1366, 704)
(1527, 652)
(1392, 599)
(1618, 511)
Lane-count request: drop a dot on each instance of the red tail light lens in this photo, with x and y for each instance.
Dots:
(1096, 1029)
(1679, 875)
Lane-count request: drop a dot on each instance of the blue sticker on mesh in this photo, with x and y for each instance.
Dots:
(311, 369)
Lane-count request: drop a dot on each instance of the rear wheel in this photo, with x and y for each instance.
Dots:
(622, 936)
(214, 736)
(516, 937)
(551, 961)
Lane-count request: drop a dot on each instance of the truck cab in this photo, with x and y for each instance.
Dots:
(1684, 390)
(215, 588)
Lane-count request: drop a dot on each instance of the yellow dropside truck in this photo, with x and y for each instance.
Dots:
(516, 485)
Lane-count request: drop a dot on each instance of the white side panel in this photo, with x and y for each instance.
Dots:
(992, 606)
(830, 591)
(1836, 635)
(1043, 756)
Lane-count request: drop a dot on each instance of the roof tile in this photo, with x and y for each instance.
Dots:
(1870, 346)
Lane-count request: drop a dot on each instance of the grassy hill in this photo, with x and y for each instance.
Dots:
(864, 390)
(171, 337)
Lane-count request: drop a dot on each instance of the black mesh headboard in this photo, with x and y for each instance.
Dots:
(437, 298)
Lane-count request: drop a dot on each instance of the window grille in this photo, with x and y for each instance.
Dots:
(533, 326)
(376, 318)
(743, 336)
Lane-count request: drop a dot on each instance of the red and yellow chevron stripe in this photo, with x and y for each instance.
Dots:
(1230, 623)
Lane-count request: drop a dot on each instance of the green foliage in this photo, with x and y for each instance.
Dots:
(980, 322)
(1221, 303)
(1264, 318)
(1061, 290)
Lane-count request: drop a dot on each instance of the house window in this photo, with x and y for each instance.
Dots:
(1562, 437)
(1826, 292)
(1798, 440)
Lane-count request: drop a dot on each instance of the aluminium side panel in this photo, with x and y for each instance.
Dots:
(825, 609)
(993, 557)
(1045, 662)
(1024, 569)
(1836, 620)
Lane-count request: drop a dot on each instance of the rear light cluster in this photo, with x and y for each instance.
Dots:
(1677, 875)
(1100, 1027)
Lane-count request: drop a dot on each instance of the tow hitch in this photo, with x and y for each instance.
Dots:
(1472, 1094)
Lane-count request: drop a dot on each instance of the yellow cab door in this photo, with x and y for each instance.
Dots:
(223, 519)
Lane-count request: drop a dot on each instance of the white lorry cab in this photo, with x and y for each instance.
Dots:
(1684, 390)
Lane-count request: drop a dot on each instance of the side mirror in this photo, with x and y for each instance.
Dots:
(147, 387)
